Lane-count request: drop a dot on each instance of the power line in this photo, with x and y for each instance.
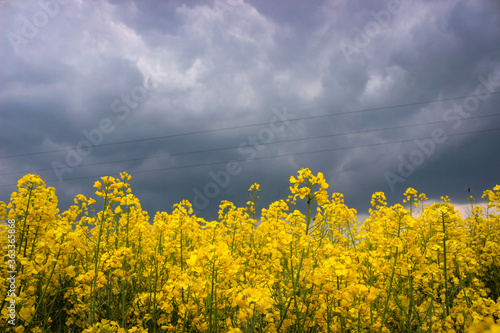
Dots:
(268, 157)
(269, 143)
(257, 124)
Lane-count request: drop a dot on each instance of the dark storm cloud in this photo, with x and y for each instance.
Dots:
(107, 72)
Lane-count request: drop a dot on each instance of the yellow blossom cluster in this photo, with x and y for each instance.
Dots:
(300, 266)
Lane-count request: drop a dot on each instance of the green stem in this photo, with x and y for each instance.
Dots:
(309, 198)
(445, 269)
(45, 287)
(389, 292)
(24, 223)
(96, 262)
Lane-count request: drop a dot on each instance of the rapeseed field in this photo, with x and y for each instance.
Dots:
(101, 266)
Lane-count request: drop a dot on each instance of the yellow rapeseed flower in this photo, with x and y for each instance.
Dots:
(98, 185)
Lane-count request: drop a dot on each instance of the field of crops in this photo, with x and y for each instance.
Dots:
(102, 267)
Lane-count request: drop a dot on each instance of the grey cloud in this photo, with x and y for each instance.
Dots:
(221, 64)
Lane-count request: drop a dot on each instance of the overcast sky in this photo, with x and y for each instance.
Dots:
(198, 100)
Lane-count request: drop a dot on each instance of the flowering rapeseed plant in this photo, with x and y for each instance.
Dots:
(100, 266)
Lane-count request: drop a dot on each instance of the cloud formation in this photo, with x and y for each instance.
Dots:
(200, 100)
